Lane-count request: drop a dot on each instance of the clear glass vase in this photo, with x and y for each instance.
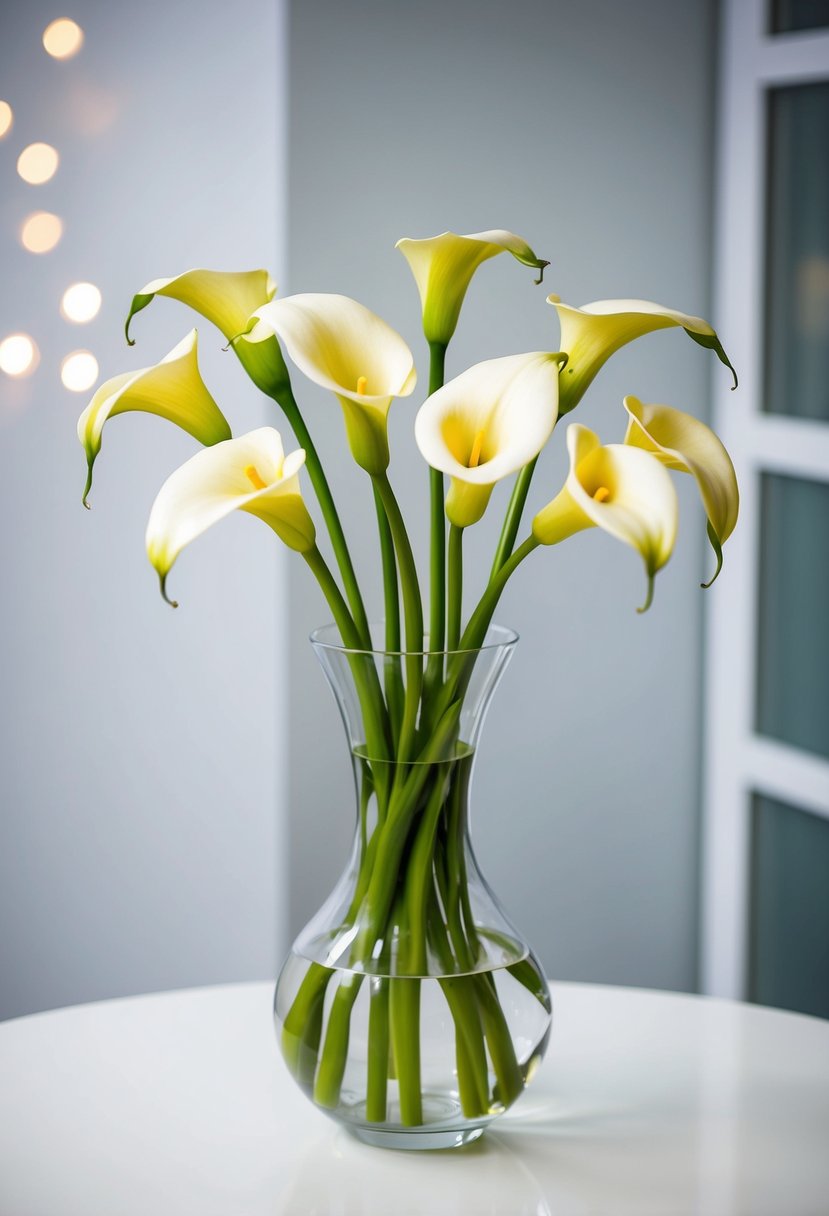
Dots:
(409, 1008)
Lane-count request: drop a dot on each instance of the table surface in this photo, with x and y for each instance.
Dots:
(648, 1102)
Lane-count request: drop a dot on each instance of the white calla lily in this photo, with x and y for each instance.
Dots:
(487, 423)
(623, 490)
(226, 298)
(682, 442)
(343, 346)
(443, 267)
(250, 473)
(173, 389)
(592, 333)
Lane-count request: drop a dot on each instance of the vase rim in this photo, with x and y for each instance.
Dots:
(327, 637)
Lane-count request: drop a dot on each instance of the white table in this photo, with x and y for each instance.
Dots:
(179, 1104)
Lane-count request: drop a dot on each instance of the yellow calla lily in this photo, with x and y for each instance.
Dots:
(623, 490)
(173, 389)
(343, 346)
(224, 297)
(250, 473)
(682, 442)
(443, 267)
(487, 423)
(591, 334)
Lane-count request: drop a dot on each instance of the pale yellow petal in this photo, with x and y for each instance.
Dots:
(591, 334)
(682, 442)
(344, 347)
(443, 267)
(487, 423)
(249, 474)
(226, 298)
(622, 490)
(172, 389)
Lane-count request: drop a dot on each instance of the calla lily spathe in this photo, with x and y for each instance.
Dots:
(343, 346)
(225, 298)
(443, 267)
(621, 489)
(173, 389)
(592, 333)
(682, 442)
(487, 423)
(250, 473)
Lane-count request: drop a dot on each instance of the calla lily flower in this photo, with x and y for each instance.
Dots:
(343, 346)
(487, 423)
(173, 389)
(591, 334)
(223, 297)
(443, 267)
(250, 473)
(682, 442)
(621, 489)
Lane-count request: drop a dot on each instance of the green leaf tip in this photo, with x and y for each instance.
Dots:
(712, 342)
(717, 547)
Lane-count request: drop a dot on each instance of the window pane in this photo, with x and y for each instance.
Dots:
(797, 253)
(787, 15)
(789, 940)
(793, 659)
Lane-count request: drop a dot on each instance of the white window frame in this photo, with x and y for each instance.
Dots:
(738, 761)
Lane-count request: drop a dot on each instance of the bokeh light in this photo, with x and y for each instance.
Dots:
(37, 163)
(18, 355)
(6, 118)
(63, 38)
(79, 371)
(41, 231)
(81, 302)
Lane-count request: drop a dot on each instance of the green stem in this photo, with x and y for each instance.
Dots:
(284, 397)
(393, 678)
(413, 613)
(455, 586)
(404, 1010)
(335, 1049)
(512, 520)
(366, 680)
(378, 1050)
(437, 548)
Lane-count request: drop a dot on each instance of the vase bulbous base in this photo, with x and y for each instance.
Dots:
(421, 1138)
(395, 1068)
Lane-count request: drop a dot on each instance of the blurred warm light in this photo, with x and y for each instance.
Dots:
(18, 355)
(79, 371)
(81, 302)
(37, 163)
(41, 231)
(63, 38)
(6, 118)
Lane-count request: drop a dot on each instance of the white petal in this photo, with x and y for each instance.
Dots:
(216, 482)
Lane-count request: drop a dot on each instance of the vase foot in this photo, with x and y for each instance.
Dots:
(416, 1138)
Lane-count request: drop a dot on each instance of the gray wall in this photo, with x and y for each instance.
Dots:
(140, 749)
(586, 128)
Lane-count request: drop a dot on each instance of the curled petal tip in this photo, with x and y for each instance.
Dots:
(648, 597)
(542, 266)
(716, 545)
(86, 489)
(162, 578)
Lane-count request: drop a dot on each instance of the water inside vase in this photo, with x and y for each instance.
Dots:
(517, 993)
